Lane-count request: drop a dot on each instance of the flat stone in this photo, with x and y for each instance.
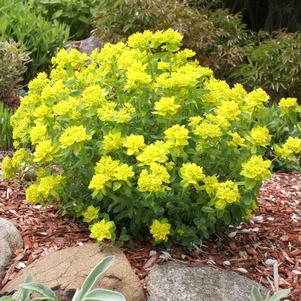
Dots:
(10, 241)
(178, 282)
(65, 270)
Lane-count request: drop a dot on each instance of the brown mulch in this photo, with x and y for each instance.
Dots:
(274, 233)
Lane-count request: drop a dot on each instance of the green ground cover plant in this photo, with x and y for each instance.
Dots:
(139, 139)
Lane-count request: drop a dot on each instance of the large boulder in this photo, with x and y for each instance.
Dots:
(65, 270)
(178, 282)
(10, 241)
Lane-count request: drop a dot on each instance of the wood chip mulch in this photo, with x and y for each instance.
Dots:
(274, 234)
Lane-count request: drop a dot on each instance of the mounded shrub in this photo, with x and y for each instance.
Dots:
(139, 139)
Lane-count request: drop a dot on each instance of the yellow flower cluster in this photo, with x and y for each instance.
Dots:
(108, 171)
(166, 106)
(176, 136)
(256, 168)
(191, 174)
(289, 104)
(47, 186)
(102, 230)
(155, 180)
(261, 136)
(160, 230)
(154, 153)
(291, 147)
(90, 214)
(11, 166)
(112, 141)
(74, 134)
(109, 112)
(226, 193)
(134, 144)
(44, 152)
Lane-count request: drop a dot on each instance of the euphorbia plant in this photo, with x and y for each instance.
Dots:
(138, 138)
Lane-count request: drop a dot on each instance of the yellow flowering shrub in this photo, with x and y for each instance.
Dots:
(140, 137)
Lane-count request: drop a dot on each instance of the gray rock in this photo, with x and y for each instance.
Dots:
(87, 45)
(177, 282)
(65, 270)
(5, 256)
(10, 241)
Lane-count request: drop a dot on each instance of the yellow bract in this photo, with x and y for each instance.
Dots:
(74, 134)
(160, 230)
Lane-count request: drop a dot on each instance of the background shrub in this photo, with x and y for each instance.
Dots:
(217, 37)
(41, 37)
(140, 139)
(273, 63)
(74, 13)
(13, 64)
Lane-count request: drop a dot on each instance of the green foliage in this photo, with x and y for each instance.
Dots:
(74, 13)
(85, 293)
(6, 135)
(19, 21)
(273, 63)
(257, 296)
(13, 60)
(139, 139)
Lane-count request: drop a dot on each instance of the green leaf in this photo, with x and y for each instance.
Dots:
(98, 271)
(255, 293)
(279, 295)
(104, 295)
(7, 298)
(208, 209)
(41, 289)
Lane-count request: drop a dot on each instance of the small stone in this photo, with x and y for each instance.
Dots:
(232, 234)
(242, 270)
(227, 262)
(152, 253)
(270, 261)
(258, 219)
(165, 256)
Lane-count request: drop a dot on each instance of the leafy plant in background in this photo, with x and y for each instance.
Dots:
(273, 63)
(85, 293)
(74, 13)
(139, 138)
(6, 135)
(13, 60)
(19, 21)
(217, 37)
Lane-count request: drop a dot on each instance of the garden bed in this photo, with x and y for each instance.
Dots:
(273, 233)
